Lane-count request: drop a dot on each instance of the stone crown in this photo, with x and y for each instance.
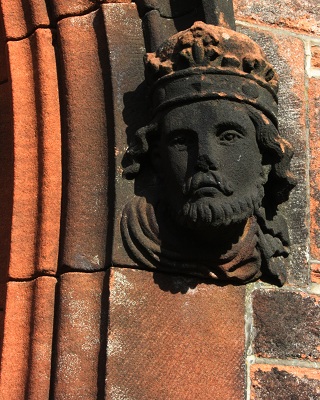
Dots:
(210, 61)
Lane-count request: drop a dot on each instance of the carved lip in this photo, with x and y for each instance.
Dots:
(207, 191)
(210, 184)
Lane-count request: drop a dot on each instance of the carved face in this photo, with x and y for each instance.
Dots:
(210, 163)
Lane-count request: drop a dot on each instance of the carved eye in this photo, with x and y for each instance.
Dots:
(181, 140)
(230, 136)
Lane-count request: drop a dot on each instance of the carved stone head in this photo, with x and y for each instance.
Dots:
(219, 164)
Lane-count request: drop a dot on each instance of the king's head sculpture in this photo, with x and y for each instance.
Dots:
(218, 164)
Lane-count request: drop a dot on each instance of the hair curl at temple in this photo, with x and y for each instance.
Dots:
(277, 153)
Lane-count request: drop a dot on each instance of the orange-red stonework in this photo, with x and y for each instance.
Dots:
(21, 17)
(83, 70)
(298, 15)
(80, 336)
(27, 343)
(315, 56)
(174, 338)
(314, 104)
(37, 156)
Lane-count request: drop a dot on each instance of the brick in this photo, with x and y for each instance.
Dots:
(282, 383)
(299, 15)
(315, 56)
(85, 108)
(21, 17)
(314, 138)
(27, 343)
(315, 273)
(286, 324)
(174, 338)
(79, 369)
(37, 161)
(287, 55)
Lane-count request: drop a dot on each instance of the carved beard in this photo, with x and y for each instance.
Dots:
(216, 212)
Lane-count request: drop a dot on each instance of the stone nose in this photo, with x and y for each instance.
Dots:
(205, 163)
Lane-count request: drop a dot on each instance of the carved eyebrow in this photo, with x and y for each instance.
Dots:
(223, 126)
(178, 131)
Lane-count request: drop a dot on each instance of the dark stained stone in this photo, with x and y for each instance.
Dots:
(280, 384)
(286, 324)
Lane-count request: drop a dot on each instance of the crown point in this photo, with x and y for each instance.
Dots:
(230, 61)
(226, 59)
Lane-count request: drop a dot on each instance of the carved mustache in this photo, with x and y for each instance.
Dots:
(208, 179)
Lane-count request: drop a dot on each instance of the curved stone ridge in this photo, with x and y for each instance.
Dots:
(37, 163)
